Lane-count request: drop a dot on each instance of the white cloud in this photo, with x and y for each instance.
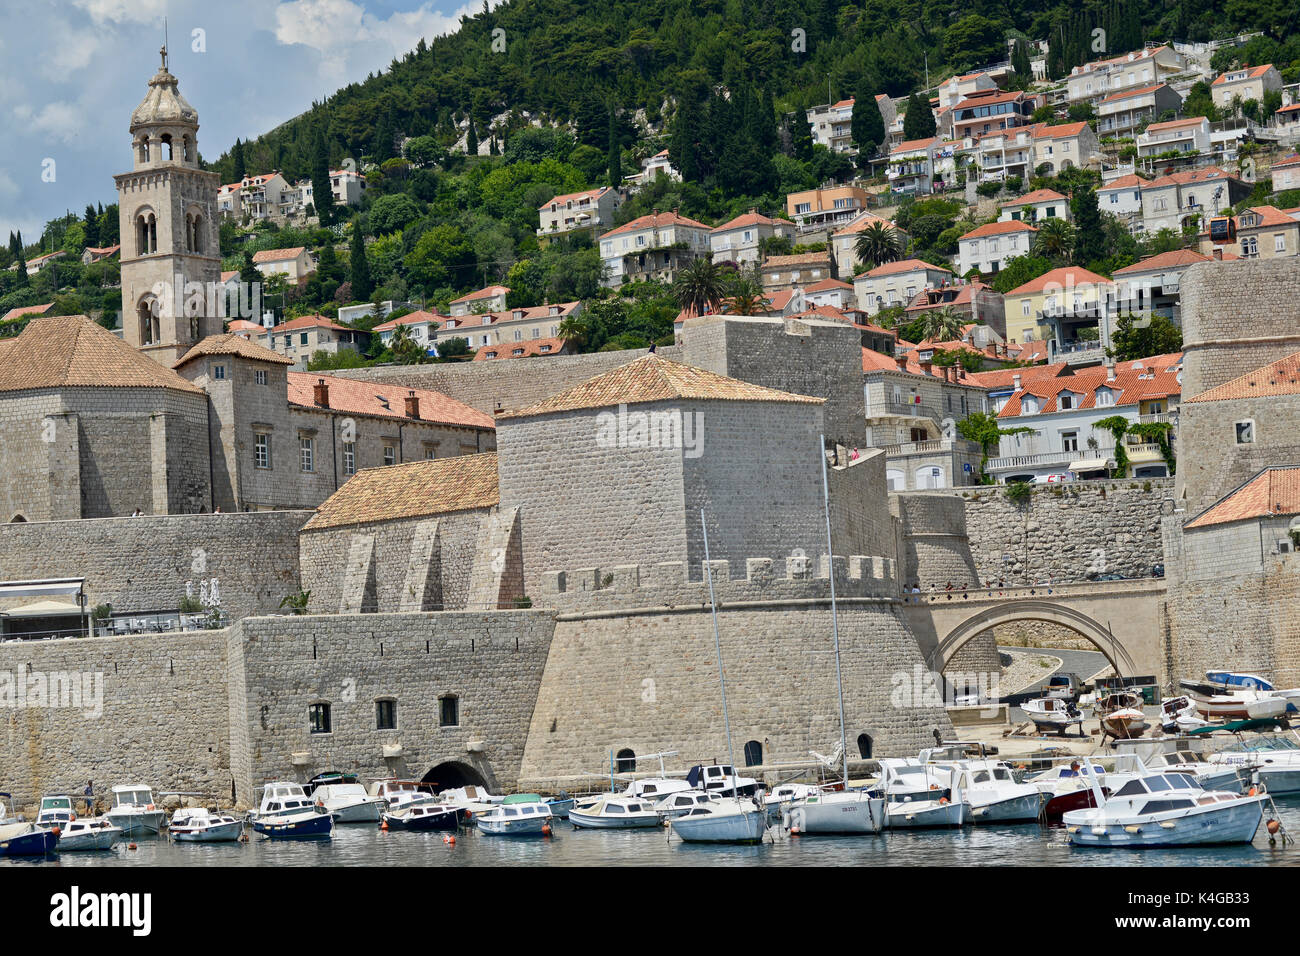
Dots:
(123, 11)
(334, 27)
(60, 120)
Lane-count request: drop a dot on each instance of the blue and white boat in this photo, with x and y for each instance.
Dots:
(27, 839)
(728, 820)
(55, 811)
(287, 813)
(615, 813)
(516, 819)
(1166, 809)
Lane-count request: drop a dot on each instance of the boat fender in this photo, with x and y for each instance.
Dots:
(72, 818)
(448, 839)
(546, 829)
(383, 825)
(943, 801)
(1252, 792)
(57, 831)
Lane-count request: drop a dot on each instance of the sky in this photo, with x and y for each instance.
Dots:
(71, 72)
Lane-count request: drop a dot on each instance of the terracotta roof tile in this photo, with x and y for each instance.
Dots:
(419, 489)
(22, 310)
(654, 379)
(1038, 195)
(751, 219)
(487, 292)
(357, 397)
(525, 349)
(1274, 491)
(1165, 260)
(1067, 277)
(999, 229)
(655, 220)
(232, 344)
(278, 255)
(70, 351)
(904, 265)
(1277, 378)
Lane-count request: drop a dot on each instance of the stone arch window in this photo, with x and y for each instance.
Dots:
(753, 753)
(187, 148)
(147, 316)
(318, 718)
(18, 519)
(142, 149)
(864, 746)
(626, 760)
(165, 147)
(198, 232)
(146, 233)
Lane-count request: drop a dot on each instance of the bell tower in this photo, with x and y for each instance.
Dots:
(171, 260)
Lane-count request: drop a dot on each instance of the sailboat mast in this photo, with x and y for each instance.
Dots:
(835, 622)
(717, 646)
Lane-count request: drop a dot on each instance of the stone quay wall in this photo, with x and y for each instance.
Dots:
(151, 562)
(491, 662)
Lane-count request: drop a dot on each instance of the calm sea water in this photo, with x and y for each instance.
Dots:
(361, 845)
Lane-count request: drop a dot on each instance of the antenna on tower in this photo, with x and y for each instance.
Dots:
(163, 51)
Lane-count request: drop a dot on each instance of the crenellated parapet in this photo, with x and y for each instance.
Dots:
(676, 584)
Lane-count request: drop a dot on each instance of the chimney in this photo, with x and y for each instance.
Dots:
(925, 366)
(1218, 253)
(1110, 369)
(1015, 381)
(901, 360)
(412, 404)
(321, 393)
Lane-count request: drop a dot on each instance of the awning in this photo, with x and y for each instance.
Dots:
(45, 609)
(1092, 464)
(41, 588)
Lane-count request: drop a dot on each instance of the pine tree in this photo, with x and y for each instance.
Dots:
(918, 122)
(801, 144)
(90, 224)
(1020, 61)
(471, 139)
(237, 157)
(867, 128)
(321, 190)
(684, 146)
(362, 285)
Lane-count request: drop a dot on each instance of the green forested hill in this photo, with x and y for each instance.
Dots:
(574, 60)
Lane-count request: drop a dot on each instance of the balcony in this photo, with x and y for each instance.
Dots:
(1062, 459)
(908, 410)
(933, 447)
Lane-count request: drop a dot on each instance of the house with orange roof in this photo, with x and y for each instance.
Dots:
(963, 86)
(508, 326)
(987, 248)
(656, 247)
(1122, 198)
(575, 212)
(1062, 404)
(255, 197)
(528, 349)
(1006, 154)
(1286, 171)
(912, 166)
(1262, 232)
(829, 293)
(490, 298)
(1123, 113)
(831, 125)
(738, 240)
(1035, 206)
(895, 284)
(1057, 307)
(828, 207)
(979, 115)
(1184, 138)
(1287, 120)
(26, 310)
(1064, 146)
(294, 263)
(844, 241)
(1151, 285)
(1246, 83)
(422, 327)
(975, 300)
(95, 254)
(1189, 199)
(1129, 71)
(299, 339)
(246, 330)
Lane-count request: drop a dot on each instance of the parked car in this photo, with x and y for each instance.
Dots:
(1066, 687)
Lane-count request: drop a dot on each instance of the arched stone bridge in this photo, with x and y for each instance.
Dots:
(1126, 620)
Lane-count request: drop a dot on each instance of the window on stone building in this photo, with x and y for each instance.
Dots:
(390, 455)
(385, 715)
(430, 451)
(626, 761)
(349, 458)
(259, 376)
(307, 448)
(1069, 441)
(1245, 432)
(262, 450)
(753, 753)
(318, 718)
(864, 746)
(218, 371)
(449, 711)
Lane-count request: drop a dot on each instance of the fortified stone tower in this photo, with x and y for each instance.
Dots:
(167, 216)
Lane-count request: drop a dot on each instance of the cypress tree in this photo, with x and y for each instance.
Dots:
(1089, 238)
(362, 285)
(867, 128)
(615, 164)
(90, 223)
(237, 157)
(801, 144)
(322, 192)
(1020, 61)
(471, 139)
(918, 121)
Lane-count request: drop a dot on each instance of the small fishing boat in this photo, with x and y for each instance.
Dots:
(1166, 809)
(517, 819)
(6, 818)
(1273, 760)
(1052, 714)
(88, 833)
(397, 794)
(779, 799)
(729, 820)
(615, 813)
(303, 825)
(915, 797)
(283, 798)
(1121, 715)
(423, 817)
(561, 805)
(992, 794)
(27, 839)
(720, 779)
(55, 811)
(1178, 715)
(349, 802)
(135, 810)
(836, 812)
(201, 825)
(683, 801)
(1216, 703)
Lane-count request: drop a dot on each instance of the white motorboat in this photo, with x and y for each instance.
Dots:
(915, 798)
(1216, 703)
(423, 816)
(991, 793)
(837, 812)
(1206, 775)
(7, 819)
(615, 813)
(55, 811)
(779, 799)
(398, 794)
(1178, 715)
(349, 802)
(1063, 788)
(88, 833)
(1272, 759)
(283, 798)
(655, 788)
(201, 825)
(720, 779)
(135, 810)
(1052, 714)
(516, 819)
(1166, 809)
(729, 820)
(683, 801)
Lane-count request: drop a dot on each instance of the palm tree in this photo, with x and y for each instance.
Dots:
(1055, 239)
(942, 325)
(878, 242)
(574, 332)
(747, 296)
(699, 287)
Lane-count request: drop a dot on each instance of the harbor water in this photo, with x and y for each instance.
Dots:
(366, 845)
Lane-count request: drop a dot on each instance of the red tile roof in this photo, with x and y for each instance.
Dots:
(524, 349)
(26, 310)
(411, 318)
(1124, 182)
(382, 400)
(1043, 131)
(751, 219)
(999, 229)
(487, 292)
(1206, 174)
(1273, 491)
(1038, 195)
(1175, 124)
(1134, 382)
(1277, 378)
(826, 285)
(660, 220)
(1125, 94)
(308, 322)
(1252, 73)
(278, 255)
(1165, 260)
(1066, 277)
(902, 266)
(592, 194)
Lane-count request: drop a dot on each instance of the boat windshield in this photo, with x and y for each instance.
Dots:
(134, 798)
